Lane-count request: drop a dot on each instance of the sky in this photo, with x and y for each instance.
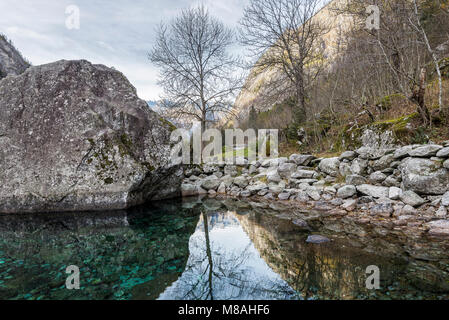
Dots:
(116, 33)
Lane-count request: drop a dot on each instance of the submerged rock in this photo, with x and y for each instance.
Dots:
(75, 136)
(317, 239)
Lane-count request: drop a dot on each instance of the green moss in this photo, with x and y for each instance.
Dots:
(397, 126)
(264, 179)
(170, 125)
(387, 102)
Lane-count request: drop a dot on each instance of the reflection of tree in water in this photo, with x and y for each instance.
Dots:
(216, 271)
(322, 274)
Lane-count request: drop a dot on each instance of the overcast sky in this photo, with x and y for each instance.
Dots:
(116, 33)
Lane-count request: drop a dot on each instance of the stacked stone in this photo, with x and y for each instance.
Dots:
(402, 183)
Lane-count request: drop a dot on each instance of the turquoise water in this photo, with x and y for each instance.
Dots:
(210, 249)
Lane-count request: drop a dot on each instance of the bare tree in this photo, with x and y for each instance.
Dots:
(199, 76)
(420, 30)
(282, 35)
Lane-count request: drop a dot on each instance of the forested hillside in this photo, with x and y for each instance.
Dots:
(385, 79)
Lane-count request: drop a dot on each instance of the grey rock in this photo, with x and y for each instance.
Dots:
(222, 188)
(345, 169)
(382, 209)
(81, 140)
(395, 193)
(356, 180)
(349, 205)
(301, 160)
(307, 181)
(285, 170)
(188, 190)
(439, 228)
(245, 194)
(441, 224)
(210, 168)
(227, 180)
(377, 177)
(443, 153)
(441, 212)
(391, 182)
(284, 196)
(218, 174)
(346, 192)
(424, 176)
(383, 162)
(337, 202)
(241, 181)
(408, 210)
(426, 151)
(301, 224)
(273, 176)
(348, 155)
(446, 164)
(256, 188)
(445, 199)
(403, 152)
(303, 197)
(317, 239)
(276, 189)
(330, 190)
(211, 183)
(252, 169)
(303, 174)
(313, 193)
(230, 170)
(373, 191)
(330, 166)
(274, 162)
(359, 166)
(411, 198)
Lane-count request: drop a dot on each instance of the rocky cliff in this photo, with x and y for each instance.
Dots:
(11, 61)
(75, 136)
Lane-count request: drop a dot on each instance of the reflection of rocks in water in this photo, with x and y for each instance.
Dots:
(336, 270)
(256, 249)
(121, 255)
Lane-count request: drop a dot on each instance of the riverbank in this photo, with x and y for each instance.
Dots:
(406, 187)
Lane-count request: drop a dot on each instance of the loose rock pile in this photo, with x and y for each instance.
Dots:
(401, 183)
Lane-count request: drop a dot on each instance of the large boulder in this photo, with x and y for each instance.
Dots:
(11, 61)
(74, 136)
(424, 176)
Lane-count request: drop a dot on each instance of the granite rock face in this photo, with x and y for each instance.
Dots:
(11, 61)
(75, 136)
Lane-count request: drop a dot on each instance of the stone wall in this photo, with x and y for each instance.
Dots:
(400, 183)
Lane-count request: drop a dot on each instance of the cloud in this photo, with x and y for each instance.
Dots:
(113, 33)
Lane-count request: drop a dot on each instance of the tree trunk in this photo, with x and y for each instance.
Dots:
(418, 97)
(300, 111)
